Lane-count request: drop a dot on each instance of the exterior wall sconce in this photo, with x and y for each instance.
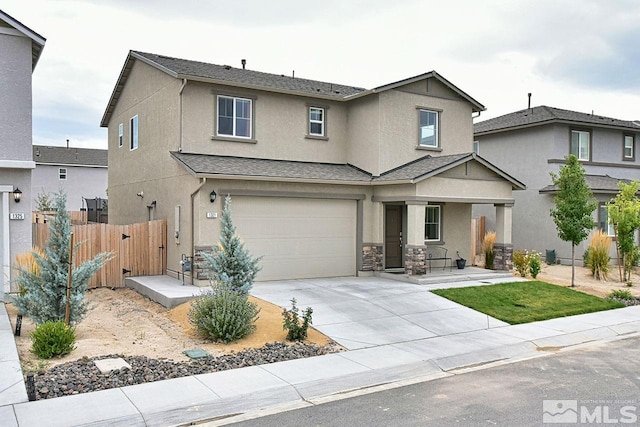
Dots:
(213, 196)
(17, 195)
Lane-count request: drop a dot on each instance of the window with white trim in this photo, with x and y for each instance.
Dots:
(604, 223)
(62, 174)
(432, 223)
(234, 117)
(581, 144)
(120, 134)
(629, 147)
(476, 147)
(428, 128)
(316, 121)
(133, 133)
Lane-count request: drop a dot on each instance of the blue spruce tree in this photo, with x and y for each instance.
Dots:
(230, 263)
(45, 292)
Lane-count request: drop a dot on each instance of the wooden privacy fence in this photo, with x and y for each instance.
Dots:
(139, 249)
(77, 217)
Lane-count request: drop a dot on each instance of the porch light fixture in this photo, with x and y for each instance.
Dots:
(17, 195)
(213, 196)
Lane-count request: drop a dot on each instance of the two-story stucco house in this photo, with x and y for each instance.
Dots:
(534, 142)
(20, 49)
(80, 172)
(325, 179)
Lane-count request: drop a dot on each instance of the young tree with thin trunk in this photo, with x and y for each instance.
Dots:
(574, 206)
(624, 214)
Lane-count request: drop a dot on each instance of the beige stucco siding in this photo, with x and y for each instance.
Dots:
(399, 127)
(363, 148)
(280, 126)
(456, 230)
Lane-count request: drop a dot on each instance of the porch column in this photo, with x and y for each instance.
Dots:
(415, 249)
(503, 249)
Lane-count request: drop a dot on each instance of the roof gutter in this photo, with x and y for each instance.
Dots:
(184, 83)
(203, 181)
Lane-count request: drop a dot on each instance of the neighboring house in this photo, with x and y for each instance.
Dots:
(534, 142)
(80, 172)
(326, 179)
(20, 49)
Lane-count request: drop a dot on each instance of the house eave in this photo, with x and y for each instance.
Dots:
(277, 179)
(75, 165)
(576, 123)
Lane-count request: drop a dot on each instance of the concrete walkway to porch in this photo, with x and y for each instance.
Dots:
(396, 333)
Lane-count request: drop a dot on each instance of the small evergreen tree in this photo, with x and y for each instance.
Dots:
(230, 262)
(574, 206)
(624, 213)
(44, 294)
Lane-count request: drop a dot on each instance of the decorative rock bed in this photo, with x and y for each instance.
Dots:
(83, 376)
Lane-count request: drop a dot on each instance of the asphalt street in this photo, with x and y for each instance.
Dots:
(597, 385)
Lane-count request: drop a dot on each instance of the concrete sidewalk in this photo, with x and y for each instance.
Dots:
(438, 341)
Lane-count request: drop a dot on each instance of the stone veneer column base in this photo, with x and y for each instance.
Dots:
(415, 261)
(372, 257)
(197, 269)
(503, 256)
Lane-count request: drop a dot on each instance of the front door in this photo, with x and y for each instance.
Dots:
(393, 246)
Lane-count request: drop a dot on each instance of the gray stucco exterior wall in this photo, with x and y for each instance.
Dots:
(82, 181)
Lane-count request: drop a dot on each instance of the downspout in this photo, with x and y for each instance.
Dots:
(184, 83)
(193, 227)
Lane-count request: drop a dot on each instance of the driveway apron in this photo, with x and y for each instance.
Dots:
(362, 312)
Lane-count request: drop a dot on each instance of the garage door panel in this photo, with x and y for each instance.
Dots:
(298, 238)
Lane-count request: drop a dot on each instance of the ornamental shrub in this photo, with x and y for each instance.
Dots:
(487, 247)
(223, 314)
(622, 294)
(598, 254)
(297, 329)
(52, 339)
(520, 262)
(535, 263)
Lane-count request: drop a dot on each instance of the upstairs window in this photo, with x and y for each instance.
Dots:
(120, 134)
(316, 121)
(428, 128)
(62, 174)
(134, 132)
(476, 147)
(234, 117)
(629, 147)
(432, 223)
(581, 144)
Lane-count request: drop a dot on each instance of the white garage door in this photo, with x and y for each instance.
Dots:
(298, 237)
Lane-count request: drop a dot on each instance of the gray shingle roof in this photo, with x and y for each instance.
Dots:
(228, 74)
(543, 114)
(205, 164)
(597, 184)
(69, 156)
(421, 167)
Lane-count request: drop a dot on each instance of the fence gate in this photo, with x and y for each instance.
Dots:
(139, 249)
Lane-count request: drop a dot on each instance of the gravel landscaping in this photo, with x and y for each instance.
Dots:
(82, 375)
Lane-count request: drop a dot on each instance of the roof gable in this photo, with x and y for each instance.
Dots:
(542, 115)
(37, 41)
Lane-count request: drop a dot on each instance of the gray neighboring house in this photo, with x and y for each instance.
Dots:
(533, 142)
(326, 179)
(20, 49)
(79, 172)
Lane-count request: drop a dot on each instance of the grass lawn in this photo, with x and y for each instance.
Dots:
(523, 302)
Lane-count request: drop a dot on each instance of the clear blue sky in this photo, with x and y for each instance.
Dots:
(579, 55)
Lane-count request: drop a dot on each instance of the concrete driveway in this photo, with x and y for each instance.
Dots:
(361, 312)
